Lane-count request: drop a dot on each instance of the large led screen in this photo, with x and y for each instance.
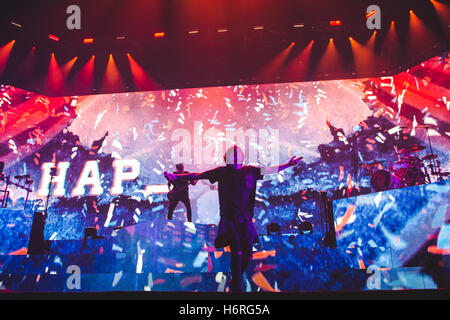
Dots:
(110, 150)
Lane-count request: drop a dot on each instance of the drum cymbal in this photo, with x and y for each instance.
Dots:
(412, 149)
(429, 157)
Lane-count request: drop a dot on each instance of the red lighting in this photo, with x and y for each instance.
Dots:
(112, 78)
(4, 54)
(88, 40)
(53, 37)
(55, 77)
(142, 80)
(335, 22)
(85, 77)
(158, 35)
(371, 13)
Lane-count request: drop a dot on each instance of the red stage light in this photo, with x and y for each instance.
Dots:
(112, 78)
(158, 35)
(55, 77)
(335, 22)
(371, 13)
(85, 77)
(4, 54)
(142, 80)
(53, 37)
(88, 40)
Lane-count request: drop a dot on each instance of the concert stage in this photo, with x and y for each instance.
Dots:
(159, 255)
(135, 147)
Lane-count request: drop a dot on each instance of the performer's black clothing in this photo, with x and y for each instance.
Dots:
(237, 190)
(180, 192)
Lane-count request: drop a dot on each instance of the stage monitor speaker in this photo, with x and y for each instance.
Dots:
(36, 243)
(91, 233)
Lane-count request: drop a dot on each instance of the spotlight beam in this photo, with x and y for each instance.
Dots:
(4, 54)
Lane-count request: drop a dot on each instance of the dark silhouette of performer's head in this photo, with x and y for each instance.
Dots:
(234, 157)
(179, 167)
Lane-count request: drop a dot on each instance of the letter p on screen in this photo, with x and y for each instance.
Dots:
(124, 170)
(373, 17)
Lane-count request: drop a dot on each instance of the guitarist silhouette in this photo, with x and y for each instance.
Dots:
(179, 191)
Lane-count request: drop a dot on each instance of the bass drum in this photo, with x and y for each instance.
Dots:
(383, 180)
(409, 171)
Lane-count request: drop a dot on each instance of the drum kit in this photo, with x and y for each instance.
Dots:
(23, 182)
(405, 169)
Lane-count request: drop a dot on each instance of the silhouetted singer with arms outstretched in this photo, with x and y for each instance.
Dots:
(237, 188)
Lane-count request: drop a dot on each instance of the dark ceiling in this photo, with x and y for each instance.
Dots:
(210, 58)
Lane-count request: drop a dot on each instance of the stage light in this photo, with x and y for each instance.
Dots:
(443, 13)
(53, 37)
(335, 22)
(329, 58)
(68, 66)
(112, 78)
(16, 24)
(274, 67)
(298, 66)
(419, 34)
(364, 57)
(258, 27)
(371, 13)
(120, 38)
(28, 63)
(193, 32)
(54, 79)
(88, 40)
(371, 42)
(140, 78)
(158, 35)
(85, 77)
(4, 54)
(222, 30)
(299, 25)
